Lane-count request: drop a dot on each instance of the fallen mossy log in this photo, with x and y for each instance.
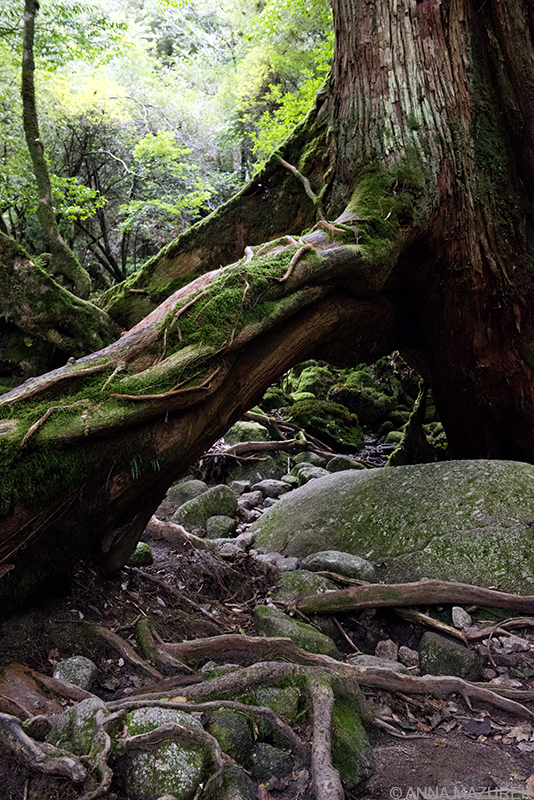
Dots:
(425, 592)
(88, 451)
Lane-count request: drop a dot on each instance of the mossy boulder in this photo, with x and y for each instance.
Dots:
(351, 750)
(236, 784)
(315, 380)
(234, 733)
(284, 700)
(255, 471)
(246, 431)
(167, 768)
(268, 761)
(75, 729)
(185, 490)
(217, 501)
(441, 656)
(372, 407)
(329, 422)
(220, 526)
(271, 622)
(466, 521)
(301, 583)
(78, 670)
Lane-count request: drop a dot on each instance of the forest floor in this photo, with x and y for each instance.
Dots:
(189, 593)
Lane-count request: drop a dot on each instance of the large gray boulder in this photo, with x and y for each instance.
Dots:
(466, 521)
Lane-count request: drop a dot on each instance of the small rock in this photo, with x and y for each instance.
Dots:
(373, 661)
(287, 564)
(488, 674)
(220, 526)
(141, 556)
(250, 499)
(387, 649)
(229, 550)
(503, 680)
(460, 618)
(245, 540)
(239, 487)
(514, 644)
(310, 473)
(308, 457)
(408, 657)
(342, 563)
(339, 463)
(271, 488)
(77, 670)
(291, 480)
(270, 501)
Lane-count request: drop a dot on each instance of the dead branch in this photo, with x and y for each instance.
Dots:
(157, 527)
(425, 592)
(411, 615)
(44, 382)
(247, 447)
(36, 425)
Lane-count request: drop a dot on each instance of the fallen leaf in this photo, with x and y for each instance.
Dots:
(263, 794)
(179, 699)
(529, 785)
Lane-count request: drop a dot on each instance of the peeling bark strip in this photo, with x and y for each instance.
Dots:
(426, 592)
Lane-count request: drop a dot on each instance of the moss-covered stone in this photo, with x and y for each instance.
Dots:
(301, 583)
(315, 380)
(245, 431)
(220, 526)
(330, 422)
(185, 490)
(464, 521)
(169, 767)
(284, 700)
(194, 514)
(339, 463)
(75, 729)
(234, 733)
(267, 761)
(271, 622)
(441, 656)
(351, 750)
(343, 563)
(141, 556)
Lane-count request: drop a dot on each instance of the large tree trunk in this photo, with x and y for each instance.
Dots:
(422, 150)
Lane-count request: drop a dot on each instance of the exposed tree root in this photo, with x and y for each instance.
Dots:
(326, 781)
(38, 756)
(426, 592)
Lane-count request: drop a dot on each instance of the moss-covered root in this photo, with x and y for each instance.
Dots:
(414, 447)
(39, 306)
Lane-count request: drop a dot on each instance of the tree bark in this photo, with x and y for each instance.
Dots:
(422, 150)
(63, 260)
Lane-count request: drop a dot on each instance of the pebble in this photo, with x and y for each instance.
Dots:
(388, 649)
(460, 618)
(408, 657)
